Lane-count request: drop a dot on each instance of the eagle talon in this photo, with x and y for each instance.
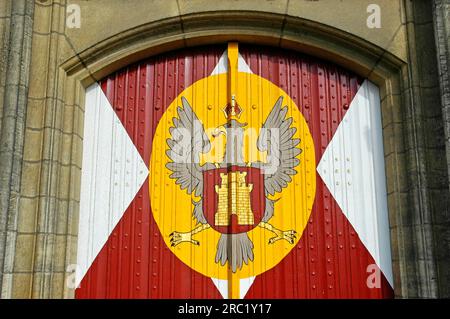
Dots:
(289, 236)
(177, 238)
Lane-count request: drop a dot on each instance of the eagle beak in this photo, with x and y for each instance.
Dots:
(219, 130)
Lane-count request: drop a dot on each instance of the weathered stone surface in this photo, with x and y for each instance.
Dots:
(117, 16)
(441, 204)
(15, 56)
(425, 162)
(22, 285)
(27, 215)
(351, 16)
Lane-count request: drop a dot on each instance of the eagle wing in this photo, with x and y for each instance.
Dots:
(188, 140)
(276, 138)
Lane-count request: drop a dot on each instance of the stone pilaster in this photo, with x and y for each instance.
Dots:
(417, 239)
(16, 24)
(48, 204)
(441, 19)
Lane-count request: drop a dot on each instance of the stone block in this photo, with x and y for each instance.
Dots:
(32, 149)
(43, 255)
(396, 178)
(35, 113)
(42, 18)
(59, 254)
(31, 179)
(21, 283)
(28, 209)
(398, 204)
(39, 66)
(57, 286)
(61, 217)
(23, 258)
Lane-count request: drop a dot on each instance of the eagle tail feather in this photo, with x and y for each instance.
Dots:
(237, 249)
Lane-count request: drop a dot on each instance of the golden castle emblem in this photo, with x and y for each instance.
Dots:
(234, 185)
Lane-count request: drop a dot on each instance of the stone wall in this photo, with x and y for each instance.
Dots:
(40, 153)
(427, 193)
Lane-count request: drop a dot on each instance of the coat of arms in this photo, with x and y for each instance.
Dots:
(234, 194)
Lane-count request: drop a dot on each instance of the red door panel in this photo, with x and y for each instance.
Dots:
(329, 261)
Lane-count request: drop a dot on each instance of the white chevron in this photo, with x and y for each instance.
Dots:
(352, 168)
(222, 65)
(244, 286)
(112, 173)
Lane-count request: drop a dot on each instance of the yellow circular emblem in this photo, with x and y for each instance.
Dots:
(275, 218)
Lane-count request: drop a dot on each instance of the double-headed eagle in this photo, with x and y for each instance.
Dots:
(275, 138)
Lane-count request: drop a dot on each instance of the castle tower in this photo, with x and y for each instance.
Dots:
(234, 198)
